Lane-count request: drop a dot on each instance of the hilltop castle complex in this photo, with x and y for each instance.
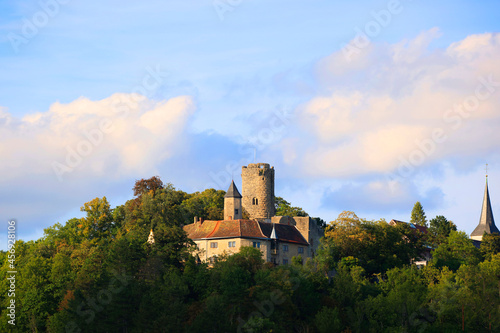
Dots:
(278, 237)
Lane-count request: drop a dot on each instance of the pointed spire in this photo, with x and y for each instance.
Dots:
(486, 221)
(273, 233)
(232, 192)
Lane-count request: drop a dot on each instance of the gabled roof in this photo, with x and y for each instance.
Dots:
(232, 192)
(421, 228)
(284, 232)
(224, 229)
(486, 221)
(243, 229)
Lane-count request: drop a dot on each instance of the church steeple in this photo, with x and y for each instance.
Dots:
(486, 221)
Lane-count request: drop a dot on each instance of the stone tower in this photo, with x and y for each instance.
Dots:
(258, 190)
(232, 203)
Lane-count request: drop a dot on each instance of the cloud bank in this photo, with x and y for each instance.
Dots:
(404, 102)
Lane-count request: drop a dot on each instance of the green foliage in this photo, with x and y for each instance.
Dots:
(99, 220)
(377, 245)
(208, 205)
(418, 215)
(440, 229)
(401, 304)
(328, 320)
(457, 250)
(98, 274)
(284, 208)
(320, 222)
(297, 260)
(490, 245)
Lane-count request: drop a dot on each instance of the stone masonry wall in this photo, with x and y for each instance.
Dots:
(258, 183)
(230, 206)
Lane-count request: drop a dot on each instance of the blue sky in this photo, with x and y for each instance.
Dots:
(365, 105)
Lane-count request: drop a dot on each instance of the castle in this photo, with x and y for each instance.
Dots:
(278, 237)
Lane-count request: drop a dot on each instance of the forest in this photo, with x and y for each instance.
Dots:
(98, 273)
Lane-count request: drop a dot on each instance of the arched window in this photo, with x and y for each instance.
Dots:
(255, 201)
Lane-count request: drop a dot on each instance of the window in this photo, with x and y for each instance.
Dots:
(285, 248)
(236, 212)
(256, 244)
(285, 261)
(273, 260)
(231, 244)
(301, 250)
(213, 245)
(255, 201)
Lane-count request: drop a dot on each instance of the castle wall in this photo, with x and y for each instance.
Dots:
(310, 231)
(282, 255)
(206, 250)
(307, 227)
(258, 190)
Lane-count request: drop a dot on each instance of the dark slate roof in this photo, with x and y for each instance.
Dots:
(232, 192)
(420, 228)
(284, 232)
(486, 221)
(243, 229)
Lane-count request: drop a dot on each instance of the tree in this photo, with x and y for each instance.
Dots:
(401, 303)
(418, 215)
(377, 245)
(440, 229)
(99, 220)
(455, 251)
(490, 245)
(208, 205)
(284, 208)
(152, 184)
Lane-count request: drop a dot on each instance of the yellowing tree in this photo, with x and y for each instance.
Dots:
(99, 220)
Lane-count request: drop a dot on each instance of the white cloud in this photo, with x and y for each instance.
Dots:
(119, 135)
(385, 105)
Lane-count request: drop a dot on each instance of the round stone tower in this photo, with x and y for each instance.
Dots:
(258, 190)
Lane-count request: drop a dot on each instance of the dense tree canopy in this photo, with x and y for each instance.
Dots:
(490, 245)
(377, 245)
(99, 274)
(440, 229)
(457, 250)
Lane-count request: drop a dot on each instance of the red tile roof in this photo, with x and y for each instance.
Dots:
(243, 229)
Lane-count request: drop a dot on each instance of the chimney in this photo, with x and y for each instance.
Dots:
(229, 217)
(195, 219)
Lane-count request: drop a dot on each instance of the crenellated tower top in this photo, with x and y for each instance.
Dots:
(258, 190)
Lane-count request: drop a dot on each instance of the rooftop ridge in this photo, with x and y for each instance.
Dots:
(215, 229)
